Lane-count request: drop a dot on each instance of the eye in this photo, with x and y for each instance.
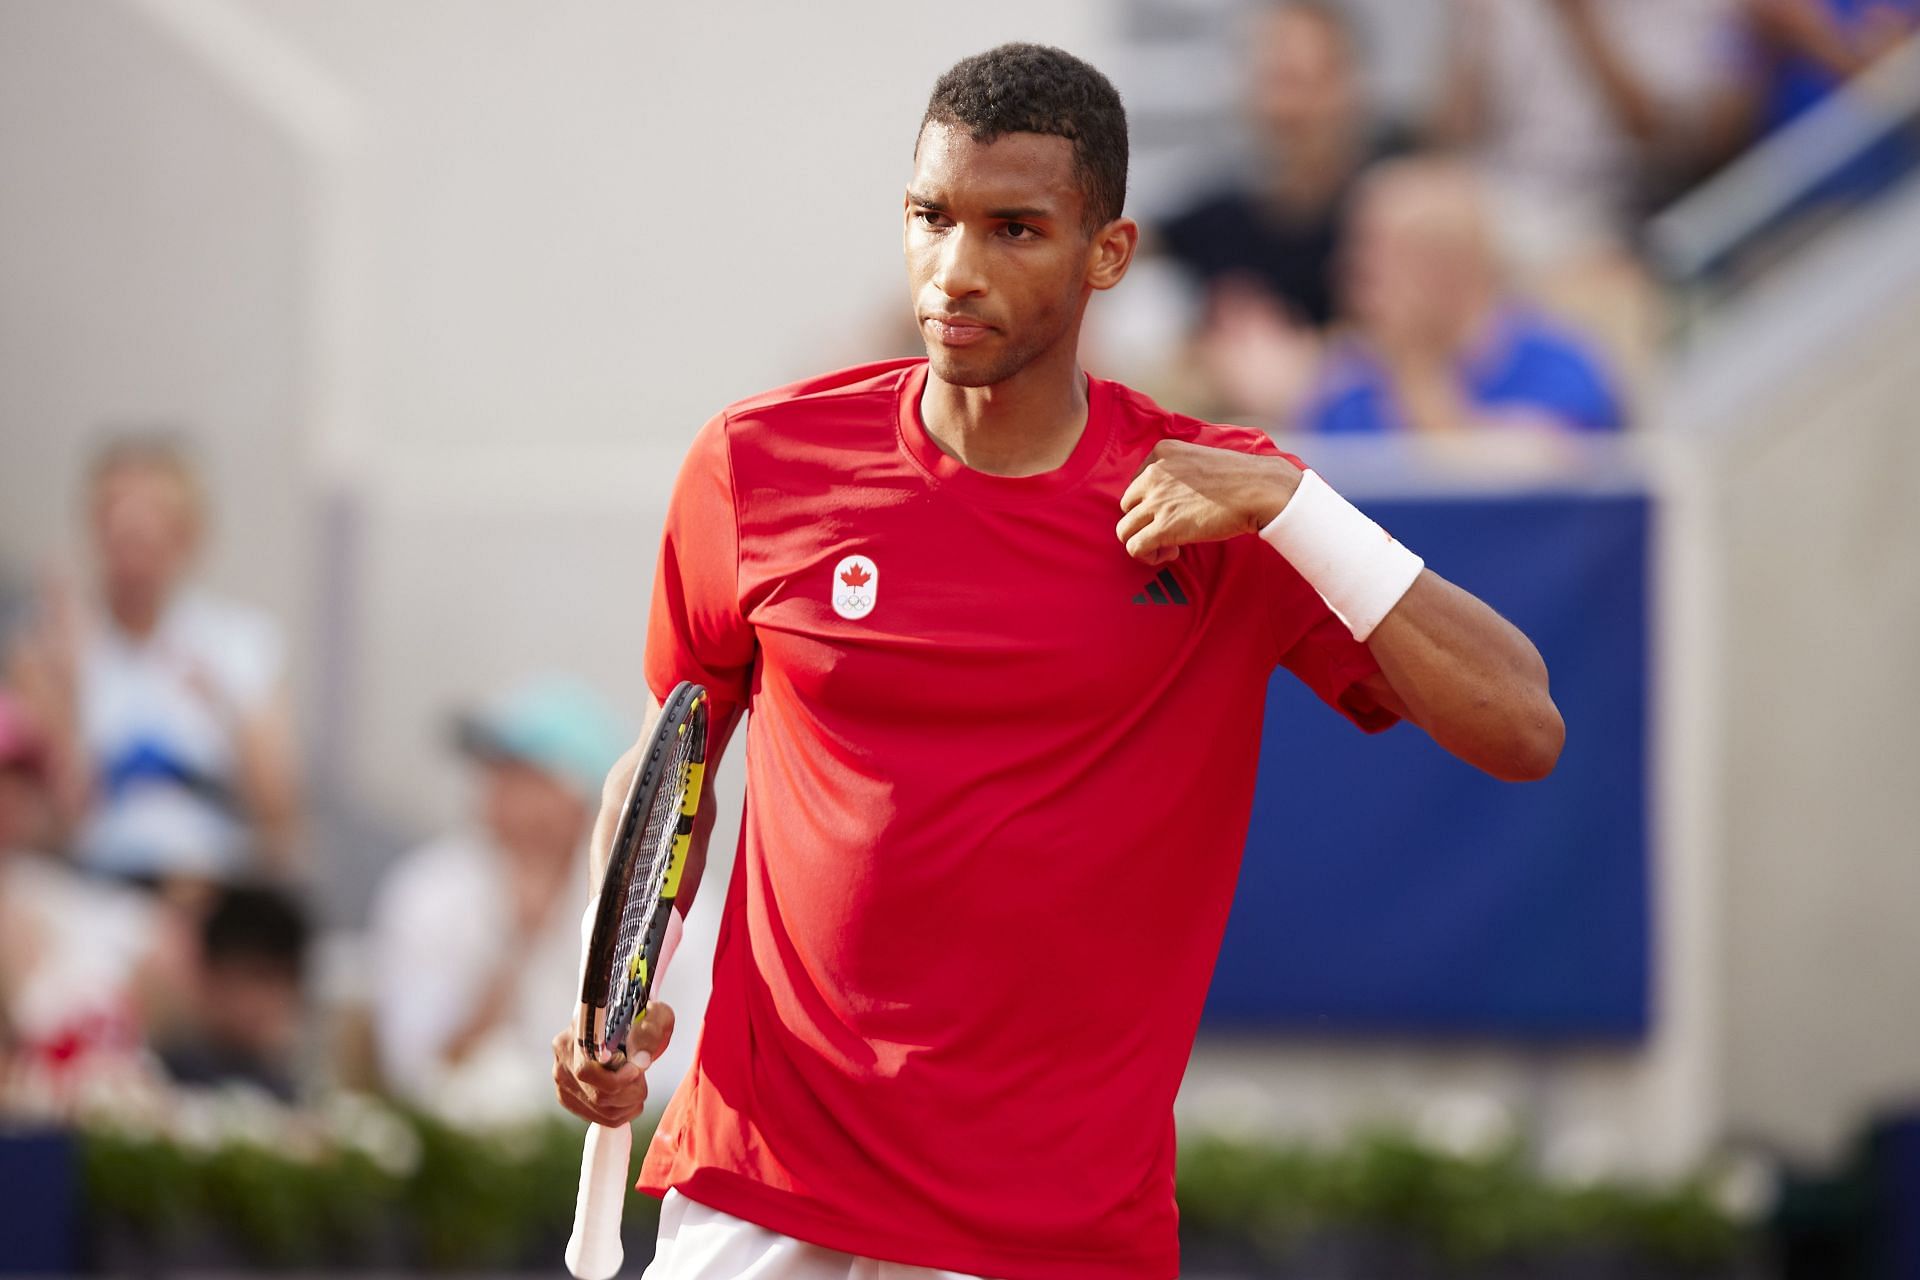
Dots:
(1021, 231)
(931, 218)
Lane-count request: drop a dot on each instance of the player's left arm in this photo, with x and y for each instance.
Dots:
(1448, 662)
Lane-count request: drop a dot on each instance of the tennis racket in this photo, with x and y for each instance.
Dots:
(622, 958)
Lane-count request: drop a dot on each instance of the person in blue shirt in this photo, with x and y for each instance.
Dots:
(1812, 47)
(1433, 343)
(1809, 50)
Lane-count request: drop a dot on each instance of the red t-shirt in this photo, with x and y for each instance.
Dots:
(998, 780)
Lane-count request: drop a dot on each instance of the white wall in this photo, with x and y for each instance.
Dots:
(586, 222)
(154, 249)
(1817, 507)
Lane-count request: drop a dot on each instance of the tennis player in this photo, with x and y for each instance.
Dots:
(1005, 631)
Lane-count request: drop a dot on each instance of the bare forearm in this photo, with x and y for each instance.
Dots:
(1798, 26)
(1458, 114)
(613, 797)
(40, 671)
(1633, 107)
(1470, 679)
(268, 779)
(487, 1012)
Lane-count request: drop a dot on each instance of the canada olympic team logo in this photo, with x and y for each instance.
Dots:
(856, 582)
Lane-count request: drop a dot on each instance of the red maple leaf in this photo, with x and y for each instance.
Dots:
(855, 576)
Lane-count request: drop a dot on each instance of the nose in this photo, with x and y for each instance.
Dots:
(959, 271)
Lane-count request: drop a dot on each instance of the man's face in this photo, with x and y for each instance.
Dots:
(253, 1006)
(1411, 276)
(532, 812)
(997, 252)
(1303, 77)
(144, 531)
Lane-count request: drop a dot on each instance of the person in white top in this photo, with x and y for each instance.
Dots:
(475, 935)
(81, 962)
(168, 705)
(1583, 116)
(1579, 111)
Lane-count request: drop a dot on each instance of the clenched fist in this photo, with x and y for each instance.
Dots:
(1194, 493)
(610, 1093)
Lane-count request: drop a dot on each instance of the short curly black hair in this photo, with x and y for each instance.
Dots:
(1035, 88)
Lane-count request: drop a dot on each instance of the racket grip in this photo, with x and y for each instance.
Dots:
(594, 1252)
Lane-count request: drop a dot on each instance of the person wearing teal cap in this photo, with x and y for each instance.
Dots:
(473, 944)
(554, 723)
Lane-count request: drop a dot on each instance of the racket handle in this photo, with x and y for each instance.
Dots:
(594, 1251)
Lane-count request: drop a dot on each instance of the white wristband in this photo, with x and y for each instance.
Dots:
(586, 934)
(1355, 565)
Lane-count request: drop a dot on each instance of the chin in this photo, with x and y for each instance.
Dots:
(957, 371)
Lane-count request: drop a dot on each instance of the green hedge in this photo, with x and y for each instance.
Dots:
(383, 1187)
(364, 1184)
(1460, 1208)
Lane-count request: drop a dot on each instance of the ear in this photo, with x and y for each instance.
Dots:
(1111, 252)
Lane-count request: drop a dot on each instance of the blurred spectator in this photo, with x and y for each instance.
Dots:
(1579, 111)
(1581, 114)
(78, 958)
(1264, 249)
(476, 936)
(173, 736)
(1436, 344)
(1813, 46)
(1279, 229)
(247, 1009)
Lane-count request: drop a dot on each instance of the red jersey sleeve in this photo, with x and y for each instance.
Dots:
(1333, 664)
(695, 629)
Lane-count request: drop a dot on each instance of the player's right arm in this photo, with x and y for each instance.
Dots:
(613, 795)
(588, 1088)
(695, 631)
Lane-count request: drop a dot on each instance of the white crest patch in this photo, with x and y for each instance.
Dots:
(856, 583)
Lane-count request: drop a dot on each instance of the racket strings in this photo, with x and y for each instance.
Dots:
(652, 850)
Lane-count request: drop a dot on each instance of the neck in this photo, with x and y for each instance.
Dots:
(135, 614)
(1026, 425)
(1477, 322)
(1306, 170)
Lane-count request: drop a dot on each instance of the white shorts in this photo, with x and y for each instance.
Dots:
(700, 1243)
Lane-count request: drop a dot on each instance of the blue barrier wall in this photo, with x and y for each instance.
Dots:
(1390, 889)
(39, 1203)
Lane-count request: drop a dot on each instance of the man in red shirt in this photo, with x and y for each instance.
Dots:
(1005, 631)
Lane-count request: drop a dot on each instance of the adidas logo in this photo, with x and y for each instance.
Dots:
(1162, 590)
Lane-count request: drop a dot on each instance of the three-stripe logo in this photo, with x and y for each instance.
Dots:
(1163, 589)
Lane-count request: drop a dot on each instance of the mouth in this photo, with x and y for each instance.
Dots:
(954, 331)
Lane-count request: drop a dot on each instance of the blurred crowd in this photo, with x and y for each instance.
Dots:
(156, 865)
(1479, 262)
(1477, 268)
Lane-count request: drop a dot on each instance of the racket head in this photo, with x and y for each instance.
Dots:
(642, 879)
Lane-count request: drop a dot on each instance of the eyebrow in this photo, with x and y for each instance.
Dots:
(1017, 213)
